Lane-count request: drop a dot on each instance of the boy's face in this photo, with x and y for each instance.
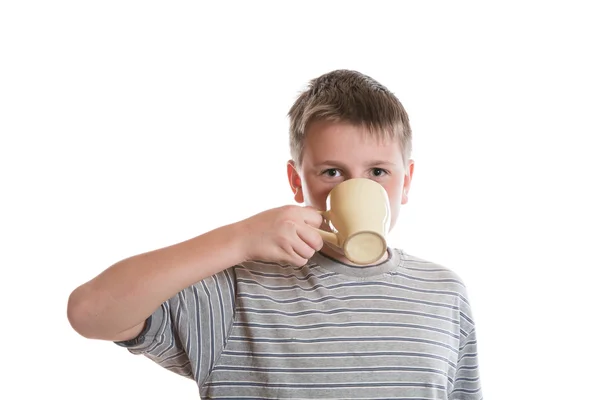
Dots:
(337, 151)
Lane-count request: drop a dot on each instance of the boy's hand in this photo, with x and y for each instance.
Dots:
(283, 235)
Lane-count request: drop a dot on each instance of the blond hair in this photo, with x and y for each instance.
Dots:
(352, 97)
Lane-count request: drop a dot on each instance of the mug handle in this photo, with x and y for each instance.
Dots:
(328, 236)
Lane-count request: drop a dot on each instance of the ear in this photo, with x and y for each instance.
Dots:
(295, 182)
(408, 175)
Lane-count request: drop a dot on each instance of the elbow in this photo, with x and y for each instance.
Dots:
(80, 312)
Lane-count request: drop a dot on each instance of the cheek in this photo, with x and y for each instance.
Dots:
(317, 193)
(394, 191)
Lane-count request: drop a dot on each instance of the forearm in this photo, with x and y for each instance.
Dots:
(125, 294)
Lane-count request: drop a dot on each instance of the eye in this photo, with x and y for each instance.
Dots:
(331, 172)
(379, 172)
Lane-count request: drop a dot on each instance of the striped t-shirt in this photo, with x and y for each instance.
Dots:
(401, 329)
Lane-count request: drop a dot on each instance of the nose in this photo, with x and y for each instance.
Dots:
(353, 175)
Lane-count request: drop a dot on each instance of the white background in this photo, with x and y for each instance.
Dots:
(128, 126)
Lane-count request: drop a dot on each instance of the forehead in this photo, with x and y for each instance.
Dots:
(345, 142)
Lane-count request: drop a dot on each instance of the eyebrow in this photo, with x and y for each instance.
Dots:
(380, 162)
(369, 164)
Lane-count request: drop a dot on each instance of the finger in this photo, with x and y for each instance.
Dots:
(302, 249)
(292, 257)
(310, 236)
(312, 217)
(299, 261)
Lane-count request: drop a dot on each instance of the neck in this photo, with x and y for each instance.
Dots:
(338, 254)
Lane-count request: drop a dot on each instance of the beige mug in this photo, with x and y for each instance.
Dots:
(358, 211)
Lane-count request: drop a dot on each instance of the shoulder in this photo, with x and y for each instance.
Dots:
(431, 273)
(437, 280)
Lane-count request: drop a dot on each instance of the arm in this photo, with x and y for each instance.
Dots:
(115, 304)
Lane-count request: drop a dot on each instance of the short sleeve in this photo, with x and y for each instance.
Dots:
(467, 385)
(188, 332)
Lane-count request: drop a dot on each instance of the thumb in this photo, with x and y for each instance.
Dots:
(312, 216)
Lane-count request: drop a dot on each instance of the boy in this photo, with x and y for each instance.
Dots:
(263, 309)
